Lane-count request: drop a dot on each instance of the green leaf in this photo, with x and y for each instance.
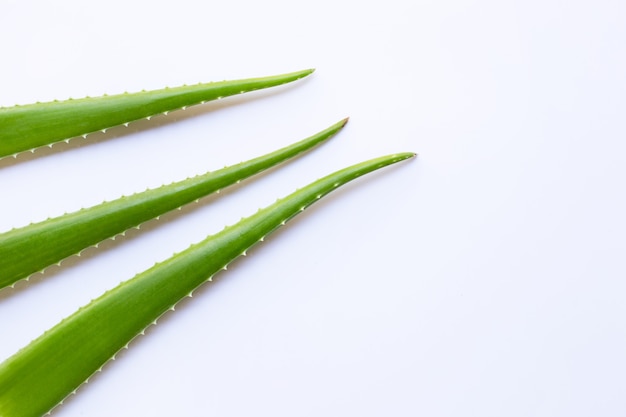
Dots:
(27, 127)
(32, 248)
(42, 374)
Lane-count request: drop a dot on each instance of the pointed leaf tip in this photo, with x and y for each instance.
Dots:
(403, 156)
(303, 73)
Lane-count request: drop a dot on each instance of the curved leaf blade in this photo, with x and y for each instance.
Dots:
(30, 126)
(32, 248)
(42, 374)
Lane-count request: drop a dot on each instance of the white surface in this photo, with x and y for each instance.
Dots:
(485, 278)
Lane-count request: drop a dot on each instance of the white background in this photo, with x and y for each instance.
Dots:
(484, 278)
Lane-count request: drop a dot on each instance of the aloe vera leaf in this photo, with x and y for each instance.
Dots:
(42, 374)
(27, 127)
(32, 248)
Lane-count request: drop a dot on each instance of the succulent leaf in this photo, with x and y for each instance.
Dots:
(32, 248)
(42, 374)
(27, 127)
